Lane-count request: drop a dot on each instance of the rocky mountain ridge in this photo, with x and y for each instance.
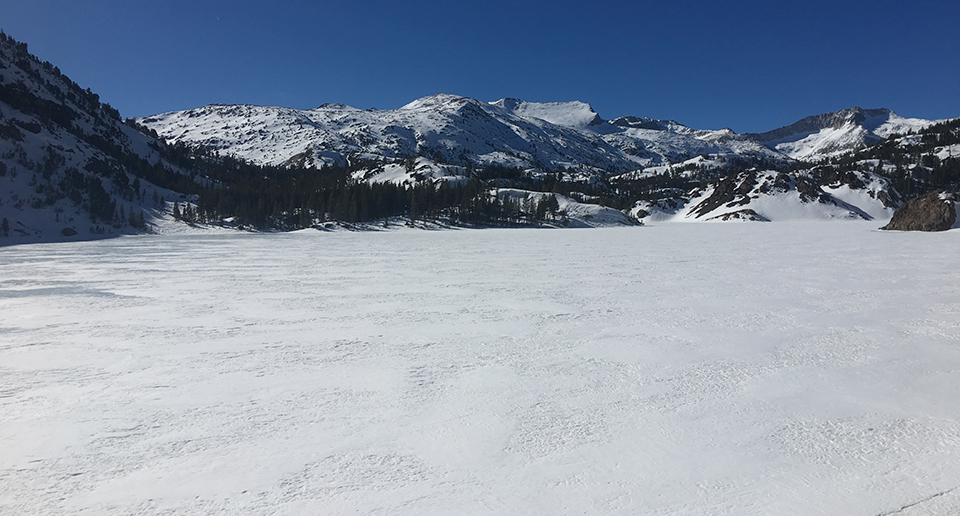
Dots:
(509, 132)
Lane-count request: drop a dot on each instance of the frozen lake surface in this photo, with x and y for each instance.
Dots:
(808, 368)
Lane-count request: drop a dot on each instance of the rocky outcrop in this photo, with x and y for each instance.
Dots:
(935, 211)
(733, 190)
(746, 214)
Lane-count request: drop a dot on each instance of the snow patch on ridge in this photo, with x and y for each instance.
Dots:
(575, 114)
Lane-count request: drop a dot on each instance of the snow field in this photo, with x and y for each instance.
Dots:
(787, 368)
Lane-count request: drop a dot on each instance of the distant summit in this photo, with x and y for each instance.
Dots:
(574, 114)
(829, 134)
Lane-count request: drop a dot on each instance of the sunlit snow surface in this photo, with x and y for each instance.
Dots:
(782, 368)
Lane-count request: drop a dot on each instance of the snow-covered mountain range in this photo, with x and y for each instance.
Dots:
(540, 136)
(70, 168)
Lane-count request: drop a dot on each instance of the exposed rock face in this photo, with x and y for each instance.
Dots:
(835, 120)
(746, 214)
(727, 192)
(771, 195)
(935, 211)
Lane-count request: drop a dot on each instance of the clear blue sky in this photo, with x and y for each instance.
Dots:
(747, 65)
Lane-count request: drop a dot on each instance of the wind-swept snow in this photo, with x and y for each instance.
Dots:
(767, 369)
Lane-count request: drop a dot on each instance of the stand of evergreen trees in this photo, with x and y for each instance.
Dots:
(266, 197)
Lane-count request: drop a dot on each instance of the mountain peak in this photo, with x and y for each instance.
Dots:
(833, 120)
(840, 131)
(574, 113)
(507, 103)
(439, 101)
(333, 106)
(636, 122)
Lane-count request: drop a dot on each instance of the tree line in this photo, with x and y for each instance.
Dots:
(269, 197)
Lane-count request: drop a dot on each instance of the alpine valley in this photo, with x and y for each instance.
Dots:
(294, 323)
(70, 168)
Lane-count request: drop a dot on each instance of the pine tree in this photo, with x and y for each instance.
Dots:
(136, 220)
(541, 209)
(414, 212)
(553, 206)
(176, 210)
(305, 219)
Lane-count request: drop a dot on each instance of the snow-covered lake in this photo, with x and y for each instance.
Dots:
(748, 369)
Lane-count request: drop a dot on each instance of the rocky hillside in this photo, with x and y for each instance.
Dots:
(765, 195)
(69, 168)
(868, 183)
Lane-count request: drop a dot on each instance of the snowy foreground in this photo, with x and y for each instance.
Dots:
(783, 368)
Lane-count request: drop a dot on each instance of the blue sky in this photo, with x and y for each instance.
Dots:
(748, 65)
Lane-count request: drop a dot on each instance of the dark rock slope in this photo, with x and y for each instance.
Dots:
(935, 211)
